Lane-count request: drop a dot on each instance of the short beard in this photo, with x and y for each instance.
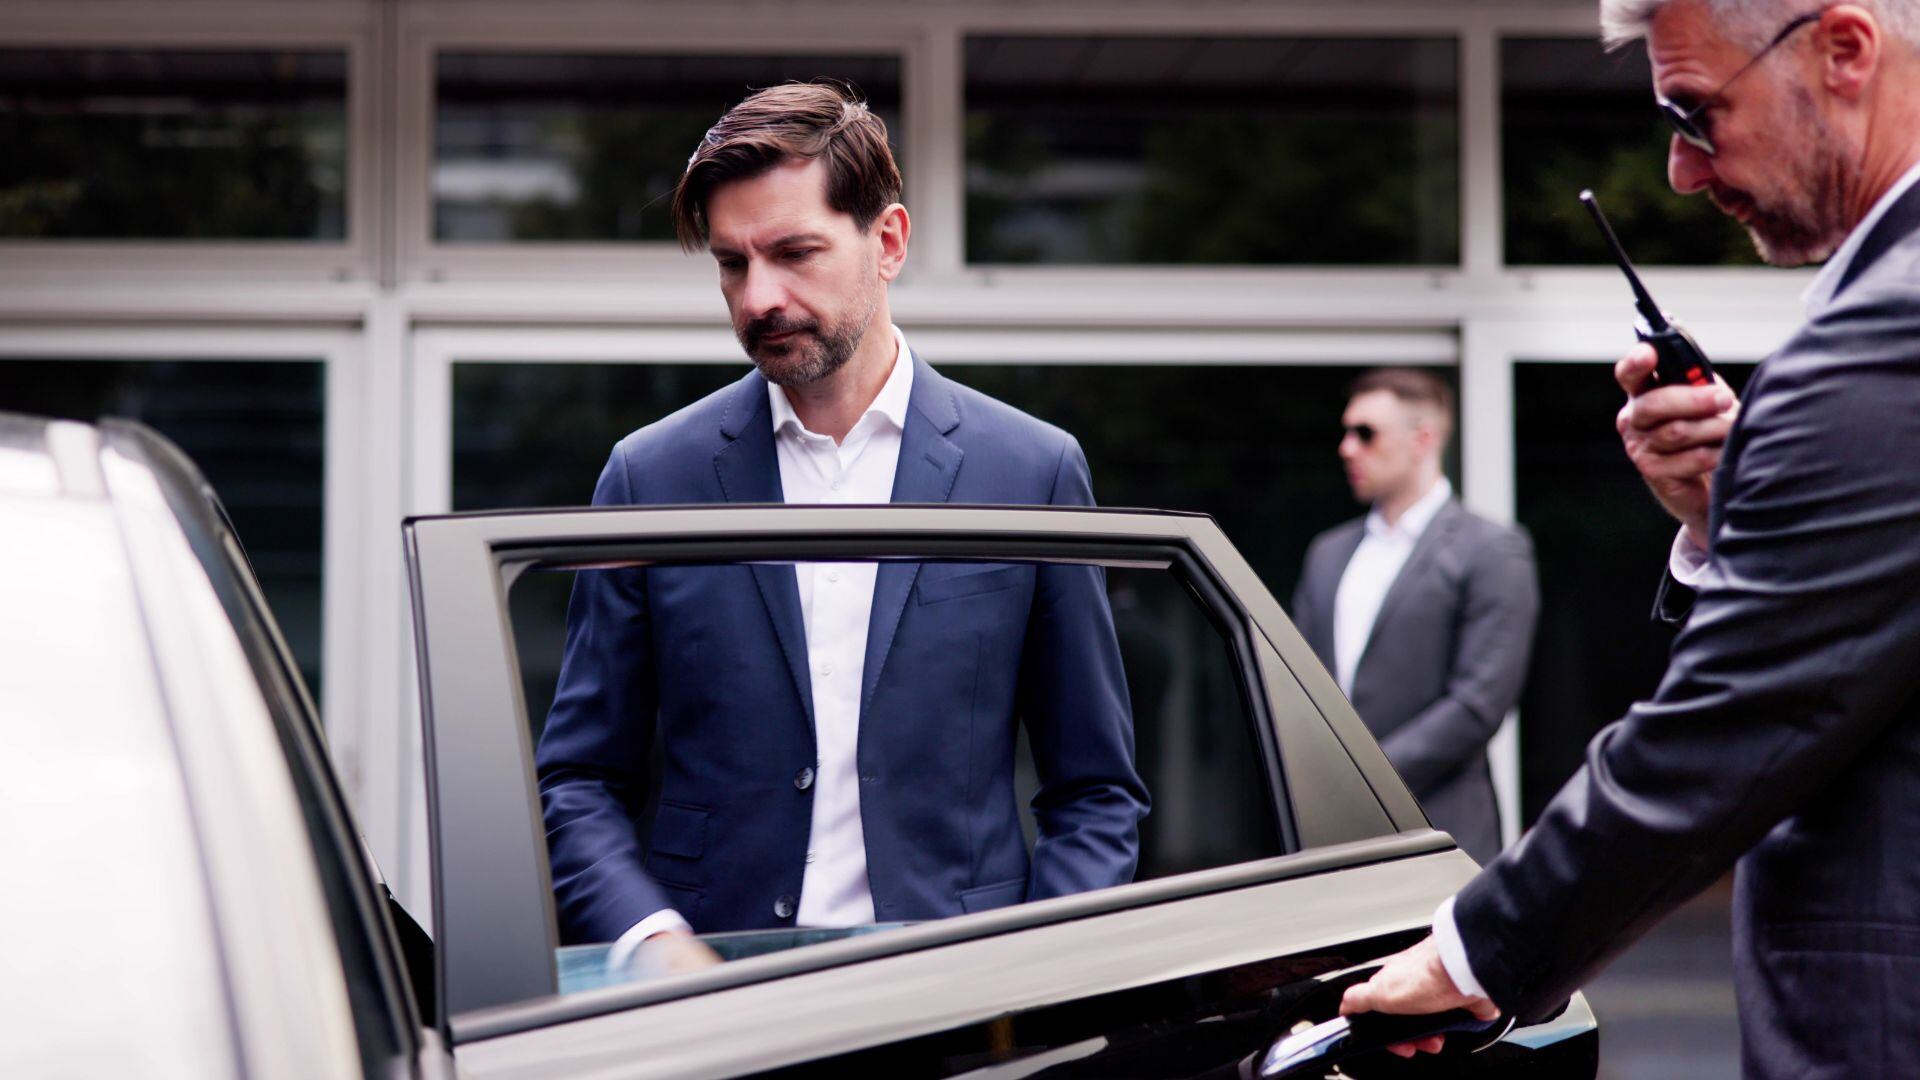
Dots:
(1809, 223)
(813, 353)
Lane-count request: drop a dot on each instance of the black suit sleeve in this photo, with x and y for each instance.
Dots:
(1799, 650)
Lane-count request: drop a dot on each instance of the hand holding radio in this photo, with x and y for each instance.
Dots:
(1678, 410)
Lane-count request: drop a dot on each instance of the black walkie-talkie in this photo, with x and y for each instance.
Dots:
(1681, 363)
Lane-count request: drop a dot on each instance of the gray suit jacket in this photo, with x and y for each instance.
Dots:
(1786, 732)
(1446, 659)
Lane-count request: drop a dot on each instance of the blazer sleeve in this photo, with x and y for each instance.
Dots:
(1499, 602)
(1074, 700)
(1798, 653)
(592, 758)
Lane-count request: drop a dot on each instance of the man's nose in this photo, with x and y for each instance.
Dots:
(762, 291)
(1349, 446)
(1689, 168)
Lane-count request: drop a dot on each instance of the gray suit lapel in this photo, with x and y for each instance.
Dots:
(749, 471)
(1438, 535)
(929, 464)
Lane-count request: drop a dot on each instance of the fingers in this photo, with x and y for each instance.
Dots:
(1429, 1045)
(1669, 403)
(1675, 436)
(1632, 370)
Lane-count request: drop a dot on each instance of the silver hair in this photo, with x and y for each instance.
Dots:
(1752, 22)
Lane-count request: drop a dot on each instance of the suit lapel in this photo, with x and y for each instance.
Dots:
(1425, 549)
(929, 464)
(749, 471)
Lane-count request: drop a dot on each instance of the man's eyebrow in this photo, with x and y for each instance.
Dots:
(798, 239)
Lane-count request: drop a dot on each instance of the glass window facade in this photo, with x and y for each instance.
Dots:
(1601, 542)
(256, 429)
(173, 144)
(586, 147)
(1574, 116)
(1178, 149)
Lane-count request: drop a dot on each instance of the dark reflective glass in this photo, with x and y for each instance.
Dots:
(173, 144)
(1217, 150)
(1600, 542)
(1574, 116)
(256, 429)
(535, 146)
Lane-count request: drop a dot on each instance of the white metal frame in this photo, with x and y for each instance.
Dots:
(395, 310)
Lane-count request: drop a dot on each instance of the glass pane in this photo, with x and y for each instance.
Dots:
(1600, 542)
(531, 146)
(149, 144)
(257, 431)
(1574, 116)
(976, 741)
(1098, 149)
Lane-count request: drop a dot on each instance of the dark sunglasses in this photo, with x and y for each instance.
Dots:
(1693, 125)
(1363, 432)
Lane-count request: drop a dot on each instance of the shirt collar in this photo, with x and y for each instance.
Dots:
(1414, 522)
(1820, 292)
(890, 403)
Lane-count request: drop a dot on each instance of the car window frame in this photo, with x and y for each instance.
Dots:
(497, 941)
(209, 532)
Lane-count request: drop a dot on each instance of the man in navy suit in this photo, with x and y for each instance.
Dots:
(834, 743)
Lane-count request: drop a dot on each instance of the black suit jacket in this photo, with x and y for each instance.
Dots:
(1445, 661)
(1786, 732)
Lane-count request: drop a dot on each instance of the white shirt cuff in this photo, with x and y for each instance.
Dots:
(1687, 564)
(660, 922)
(1453, 952)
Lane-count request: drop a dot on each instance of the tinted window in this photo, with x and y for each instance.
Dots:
(1574, 116)
(533, 146)
(972, 767)
(1107, 149)
(173, 144)
(256, 428)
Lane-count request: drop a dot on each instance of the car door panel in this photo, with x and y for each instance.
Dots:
(1176, 976)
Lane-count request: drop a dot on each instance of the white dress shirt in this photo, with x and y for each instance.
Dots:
(836, 601)
(1686, 562)
(1376, 563)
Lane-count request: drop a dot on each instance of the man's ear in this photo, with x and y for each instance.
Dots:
(1850, 42)
(892, 227)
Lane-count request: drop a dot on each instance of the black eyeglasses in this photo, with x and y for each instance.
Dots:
(1363, 432)
(1693, 125)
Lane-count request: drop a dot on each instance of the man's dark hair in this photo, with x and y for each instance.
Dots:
(795, 121)
(1412, 386)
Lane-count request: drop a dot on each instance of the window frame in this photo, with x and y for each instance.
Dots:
(346, 28)
(497, 931)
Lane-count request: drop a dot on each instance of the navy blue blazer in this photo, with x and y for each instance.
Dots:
(698, 675)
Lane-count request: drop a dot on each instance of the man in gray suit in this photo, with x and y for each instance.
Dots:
(1786, 733)
(1423, 610)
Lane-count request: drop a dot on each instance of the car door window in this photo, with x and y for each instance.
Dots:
(976, 774)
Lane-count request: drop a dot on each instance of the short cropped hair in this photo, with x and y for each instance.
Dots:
(1750, 22)
(1414, 387)
(794, 121)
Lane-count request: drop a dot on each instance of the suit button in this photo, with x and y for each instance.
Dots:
(803, 779)
(783, 908)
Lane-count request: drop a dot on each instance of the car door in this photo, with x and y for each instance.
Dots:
(1199, 971)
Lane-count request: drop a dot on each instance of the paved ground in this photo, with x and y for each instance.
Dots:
(1666, 1006)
